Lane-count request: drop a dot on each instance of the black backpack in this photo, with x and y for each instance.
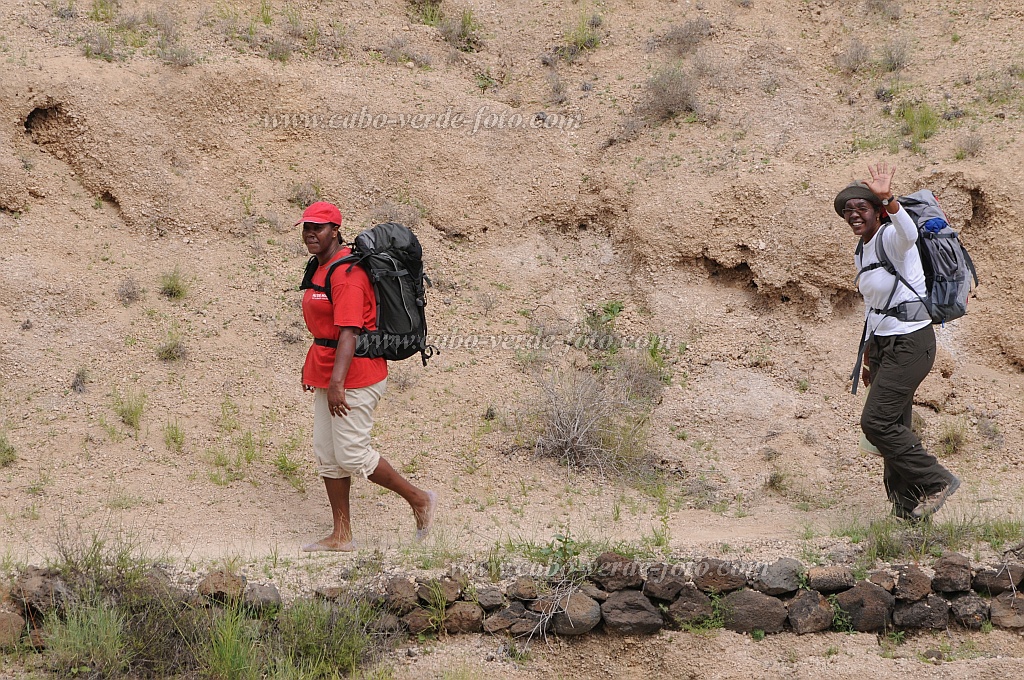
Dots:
(393, 259)
(948, 270)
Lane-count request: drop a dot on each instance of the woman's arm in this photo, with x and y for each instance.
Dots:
(342, 360)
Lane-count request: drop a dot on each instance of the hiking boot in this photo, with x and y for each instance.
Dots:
(931, 503)
(902, 514)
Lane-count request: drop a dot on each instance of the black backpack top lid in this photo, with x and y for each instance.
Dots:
(393, 238)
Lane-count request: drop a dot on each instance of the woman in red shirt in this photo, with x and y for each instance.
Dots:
(346, 387)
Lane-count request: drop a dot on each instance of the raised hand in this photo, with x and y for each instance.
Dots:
(881, 179)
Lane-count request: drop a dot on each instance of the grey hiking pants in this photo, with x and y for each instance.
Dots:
(898, 364)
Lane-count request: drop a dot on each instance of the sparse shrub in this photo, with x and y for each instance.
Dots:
(99, 44)
(841, 620)
(584, 35)
(175, 54)
(707, 64)
(639, 377)
(305, 194)
(296, 28)
(65, 10)
(427, 11)
(164, 23)
(90, 636)
(397, 51)
(684, 38)
(1004, 87)
(890, 10)
(173, 284)
(94, 562)
(232, 650)
(589, 425)
(392, 211)
(103, 10)
(128, 291)
(78, 382)
(854, 57)
(7, 453)
(129, 406)
(627, 130)
(558, 95)
(171, 349)
(321, 638)
(279, 50)
(266, 12)
(174, 437)
(953, 437)
(778, 481)
(895, 55)
(969, 146)
(463, 32)
(920, 122)
(670, 93)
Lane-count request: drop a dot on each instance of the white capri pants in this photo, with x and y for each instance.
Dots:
(342, 444)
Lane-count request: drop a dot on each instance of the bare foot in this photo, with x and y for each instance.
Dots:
(425, 517)
(330, 545)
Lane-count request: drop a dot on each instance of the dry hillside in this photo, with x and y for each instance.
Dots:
(645, 166)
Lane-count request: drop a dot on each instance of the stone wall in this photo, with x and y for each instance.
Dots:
(622, 597)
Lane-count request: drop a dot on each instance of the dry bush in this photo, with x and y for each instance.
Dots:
(279, 50)
(129, 291)
(684, 38)
(99, 44)
(558, 95)
(390, 211)
(175, 54)
(969, 146)
(1004, 88)
(397, 51)
(79, 381)
(854, 57)
(305, 194)
(401, 378)
(953, 437)
(891, 10)
(627, 130)
(462, 32)
(707, 65)
(590, 424)
(670, 93)
(164, 23)
(895, 55)
(637, 378)
(172, 349)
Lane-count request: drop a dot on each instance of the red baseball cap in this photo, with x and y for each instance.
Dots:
(321, 212)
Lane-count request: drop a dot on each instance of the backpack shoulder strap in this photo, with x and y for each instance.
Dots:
(307, 276)
(330, 270)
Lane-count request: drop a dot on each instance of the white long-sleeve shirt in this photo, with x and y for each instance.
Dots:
(899, 241)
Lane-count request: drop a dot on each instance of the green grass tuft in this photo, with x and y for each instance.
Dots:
(7, 453)
(129, 406)
(88, 640)
(174, 285)
(174, 437)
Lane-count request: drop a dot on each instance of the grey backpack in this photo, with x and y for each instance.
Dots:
(948, 269)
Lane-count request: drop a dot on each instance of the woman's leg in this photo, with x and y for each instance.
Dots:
(422, 502)
(336, 481)
(903, 362)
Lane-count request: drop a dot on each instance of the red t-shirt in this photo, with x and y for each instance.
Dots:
(354, 305)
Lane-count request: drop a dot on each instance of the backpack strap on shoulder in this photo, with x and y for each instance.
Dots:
(307, 276)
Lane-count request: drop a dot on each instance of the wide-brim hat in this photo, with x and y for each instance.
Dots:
(855, 190)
